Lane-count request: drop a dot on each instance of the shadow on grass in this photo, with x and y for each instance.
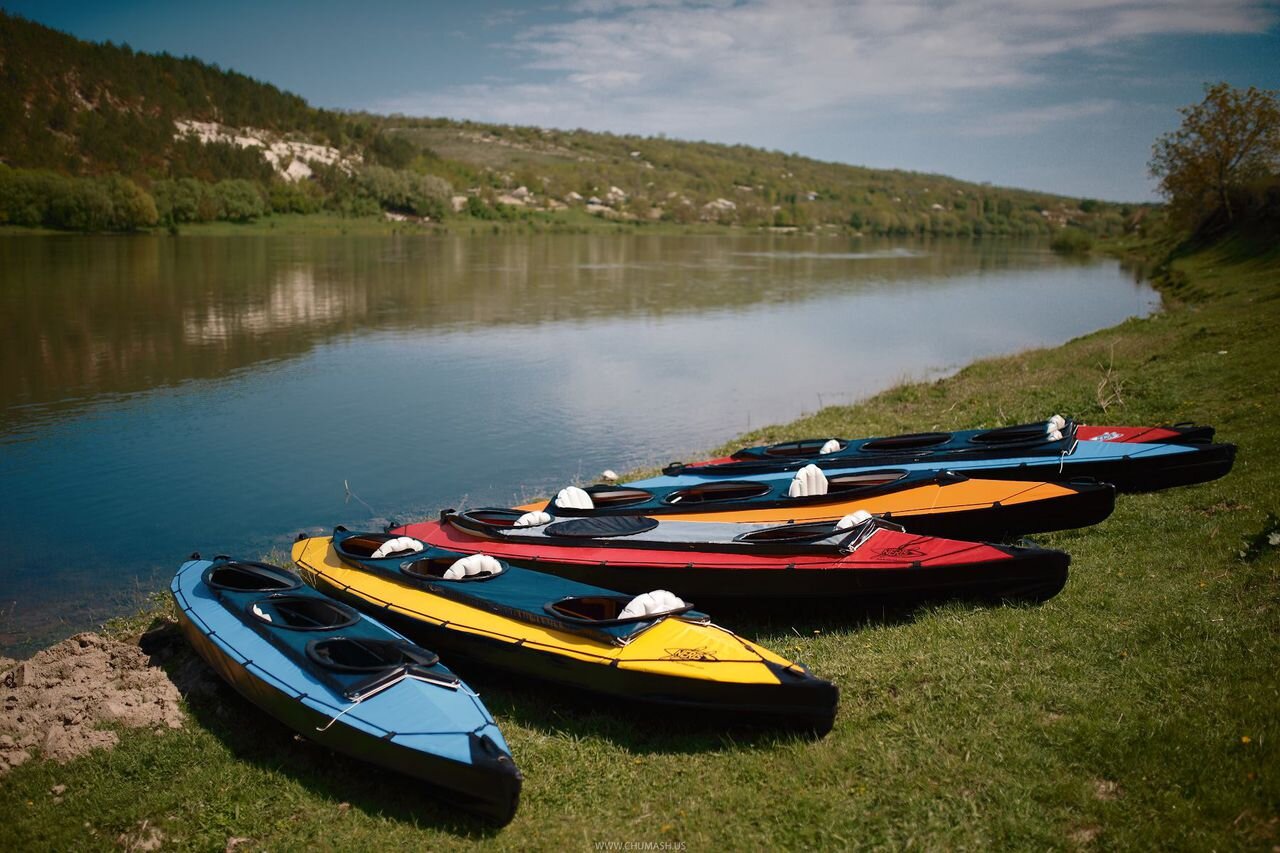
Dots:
(258, 739)
(638, 727)
(641, 729)
(753, 618)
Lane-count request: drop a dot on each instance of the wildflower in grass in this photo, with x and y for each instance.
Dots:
(1246, 739)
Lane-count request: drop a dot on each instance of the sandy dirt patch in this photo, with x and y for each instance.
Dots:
(54, 703)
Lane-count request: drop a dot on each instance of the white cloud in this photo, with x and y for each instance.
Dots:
(716, 69)
(1033, 120)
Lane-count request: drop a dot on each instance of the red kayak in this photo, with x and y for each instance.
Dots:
(866, 557)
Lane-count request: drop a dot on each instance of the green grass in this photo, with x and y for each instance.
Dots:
(1138, 709)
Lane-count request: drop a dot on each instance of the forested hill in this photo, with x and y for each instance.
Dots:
(98, 136)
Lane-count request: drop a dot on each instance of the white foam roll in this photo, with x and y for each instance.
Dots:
(809, 480)
(1056, 423)
(609, 475)
(651, 604)
(831, 446)
(472, 565)
(1056, 435)
(392, 546)
(853, 519)
(536, 518)
(572, 497)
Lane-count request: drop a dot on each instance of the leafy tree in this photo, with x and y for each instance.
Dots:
(131, 207)
(239, 200)
(181, 200)
(300, 197)
(1225, 142)
(394, 151)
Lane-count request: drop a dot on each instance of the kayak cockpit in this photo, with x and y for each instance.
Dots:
(909, 441)
(244, 576)
(1032, 433)
(617, 496)
(303, 613)
(609, 610)
(444, 567)
(805, 447)
(708, 493)
(382, 662)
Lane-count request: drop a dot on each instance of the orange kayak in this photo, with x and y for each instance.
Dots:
(932, 503)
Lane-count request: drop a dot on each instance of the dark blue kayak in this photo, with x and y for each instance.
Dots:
(1019, 453)
(346, 681)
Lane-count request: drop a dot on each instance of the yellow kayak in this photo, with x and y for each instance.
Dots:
(566, 632)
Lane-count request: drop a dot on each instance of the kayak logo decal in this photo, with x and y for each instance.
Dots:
(690, 654)
(900, 552)
(1107, 436)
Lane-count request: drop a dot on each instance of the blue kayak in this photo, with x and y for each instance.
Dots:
(346, 681)
(1130, 467)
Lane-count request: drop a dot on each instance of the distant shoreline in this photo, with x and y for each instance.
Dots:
(323, 224)
(329, 225)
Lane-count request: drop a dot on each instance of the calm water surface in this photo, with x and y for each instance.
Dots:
(164, 395)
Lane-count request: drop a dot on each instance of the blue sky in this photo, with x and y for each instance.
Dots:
(1045, 94)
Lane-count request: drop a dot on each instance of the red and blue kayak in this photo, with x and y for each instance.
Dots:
(1055, 450)
(859, 557)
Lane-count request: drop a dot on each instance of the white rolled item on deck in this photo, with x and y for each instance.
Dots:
(393, 546)
(653, 603)
(474, 564)
(572, 497)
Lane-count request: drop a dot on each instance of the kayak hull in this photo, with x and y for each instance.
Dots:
(698, 667)
(889, 567)
(1134, 472)
(928, 503)
(806, 704)
(1033, 577)
(1084, 506)
(1123, 456)
(1129, 467)
(488, 784)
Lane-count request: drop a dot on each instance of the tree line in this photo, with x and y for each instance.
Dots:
(41, 198)
(74, 113)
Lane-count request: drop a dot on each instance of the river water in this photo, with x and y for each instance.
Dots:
(163, 395)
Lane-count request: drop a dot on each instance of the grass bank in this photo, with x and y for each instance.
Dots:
(1138, 709)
